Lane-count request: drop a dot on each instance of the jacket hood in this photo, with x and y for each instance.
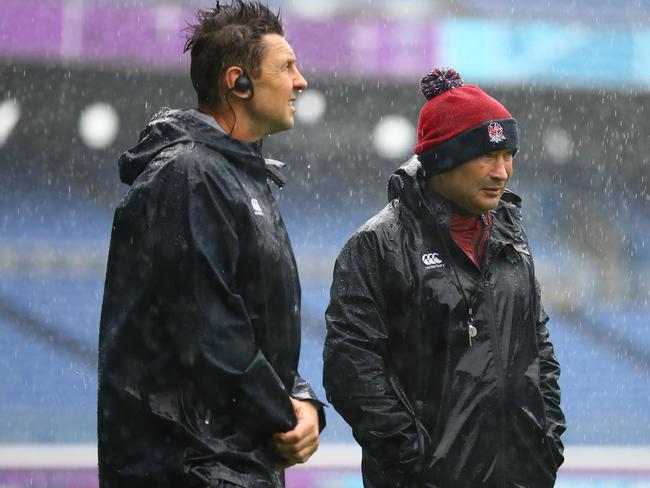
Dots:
(407, 184)
(169, 128)
(406, 175)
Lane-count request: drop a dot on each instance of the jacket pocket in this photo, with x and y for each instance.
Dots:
(182, 408)
(424, 439)
(541, 443)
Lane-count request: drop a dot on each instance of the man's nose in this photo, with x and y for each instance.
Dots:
(299, 82)
(500, 168)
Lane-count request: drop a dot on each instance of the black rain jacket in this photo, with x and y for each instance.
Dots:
(200, 326)
(427, 409)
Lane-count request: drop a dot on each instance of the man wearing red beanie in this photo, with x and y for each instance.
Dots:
(437, 351)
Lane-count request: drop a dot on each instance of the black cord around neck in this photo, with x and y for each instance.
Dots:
(451, 261)
(234, 114)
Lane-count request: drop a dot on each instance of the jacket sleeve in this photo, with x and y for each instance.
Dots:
(355, 376)
(198, 249)
(549, 385)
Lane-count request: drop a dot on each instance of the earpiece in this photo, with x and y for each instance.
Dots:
(243, 84)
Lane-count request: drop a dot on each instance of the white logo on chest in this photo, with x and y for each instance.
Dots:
(432, 261)
(257, 209)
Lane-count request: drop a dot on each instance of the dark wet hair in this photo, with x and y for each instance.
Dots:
(227, 35)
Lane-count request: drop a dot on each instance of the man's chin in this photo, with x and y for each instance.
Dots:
(486, 204)
(492, 205)
(282, 127)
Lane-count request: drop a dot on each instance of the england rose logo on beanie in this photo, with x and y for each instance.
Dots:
(495, 131)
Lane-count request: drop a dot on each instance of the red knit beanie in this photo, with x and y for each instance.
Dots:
(460, 122)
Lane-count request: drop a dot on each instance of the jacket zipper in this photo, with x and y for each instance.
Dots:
(479, 241)
(500, 375)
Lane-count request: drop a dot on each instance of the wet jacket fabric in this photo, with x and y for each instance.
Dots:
(200, 325)
(428, 409)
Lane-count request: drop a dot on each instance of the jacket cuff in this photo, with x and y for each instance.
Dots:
(303, 392)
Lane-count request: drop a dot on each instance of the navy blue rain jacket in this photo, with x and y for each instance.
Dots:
(200, 325)
(428, 409)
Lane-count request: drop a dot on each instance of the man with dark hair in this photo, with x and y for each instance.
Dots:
(200, 327)
(437, 351)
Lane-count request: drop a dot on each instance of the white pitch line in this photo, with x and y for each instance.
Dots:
(328, 456)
